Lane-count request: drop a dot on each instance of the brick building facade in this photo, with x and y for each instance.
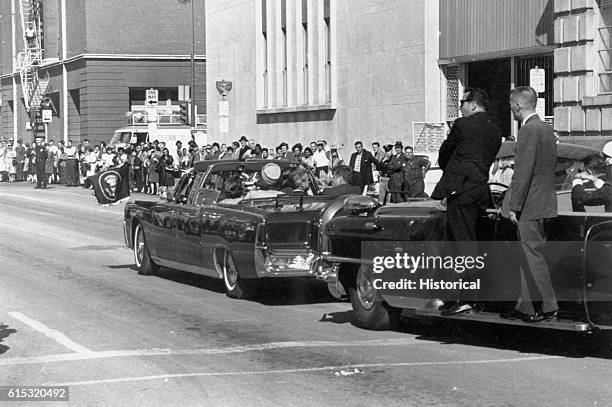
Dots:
(98, 58)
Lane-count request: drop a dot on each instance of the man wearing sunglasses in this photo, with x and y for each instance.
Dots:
(465, 158)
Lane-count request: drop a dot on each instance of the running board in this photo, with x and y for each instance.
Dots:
(494, 318)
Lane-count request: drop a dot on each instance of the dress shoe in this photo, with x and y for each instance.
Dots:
(513, 314)
(542, 316)
(457, 309)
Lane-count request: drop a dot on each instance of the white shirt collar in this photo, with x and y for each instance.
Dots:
(527, 118)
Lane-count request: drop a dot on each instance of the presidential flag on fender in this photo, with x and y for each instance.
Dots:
(111, 185)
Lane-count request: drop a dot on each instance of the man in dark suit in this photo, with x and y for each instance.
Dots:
(341, 177)
(602, 195)
(40, 162)
(361, 163)
(394, 171)
(245, 150)
(532, 200)
(465, 158)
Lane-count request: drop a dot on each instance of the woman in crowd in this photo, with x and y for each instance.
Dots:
(50, 164)
(11, 161)
(307, 158)
(3, 169)
(31, 152)
(166, 173)
(152, 161)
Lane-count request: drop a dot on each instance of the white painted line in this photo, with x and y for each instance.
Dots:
(303, 370)
(68, 357)
(51, 333)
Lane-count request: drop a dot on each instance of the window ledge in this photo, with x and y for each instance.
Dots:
(602, 100)
(295, 109)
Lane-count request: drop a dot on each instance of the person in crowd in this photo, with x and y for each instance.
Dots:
(40, 160)
(377, 152)
(287, 155)
(532, 202)
(394, 172)
(414, 172)
(11, 162)
(264, 154)
(153, 172)
(341, 177)
(222, 151)
(229, 154)
(383, 179)
(216, 151)
(279, 153)
(361, 163)
(3, 167)
(166, 173)
(335, 157)
(20, 156)
(136, 166)
(320, 161)
(297, 151)
(257, 151)
(72, 165)
(245, 151)
(90, 162)
(51, 162)
(31, 161)
(308, 159)
(465, 158)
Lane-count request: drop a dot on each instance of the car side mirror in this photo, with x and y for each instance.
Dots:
(360, 203)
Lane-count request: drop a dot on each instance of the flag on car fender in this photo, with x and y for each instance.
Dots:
(111, 185)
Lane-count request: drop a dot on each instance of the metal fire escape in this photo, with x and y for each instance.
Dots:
(28, 61)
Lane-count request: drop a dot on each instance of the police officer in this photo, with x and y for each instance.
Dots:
(414, 172)
(41, 156)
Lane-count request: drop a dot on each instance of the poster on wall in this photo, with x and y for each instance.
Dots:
(427, 137)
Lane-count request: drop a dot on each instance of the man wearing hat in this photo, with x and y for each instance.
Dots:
(40, 162)
(245, 151)
(394, 171)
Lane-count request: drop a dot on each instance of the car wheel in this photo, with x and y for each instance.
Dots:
(370, 310)
(235, 286)
(143, 261)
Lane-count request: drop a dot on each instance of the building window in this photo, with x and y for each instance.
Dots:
(452, 92)
(605, 47)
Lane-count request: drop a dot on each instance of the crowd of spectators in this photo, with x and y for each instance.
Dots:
(154, 167)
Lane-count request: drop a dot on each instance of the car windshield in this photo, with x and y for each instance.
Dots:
(247, 182)
(121, 137)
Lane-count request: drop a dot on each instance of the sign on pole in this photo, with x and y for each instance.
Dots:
(152, 97)
(537, 79)
(47, 115)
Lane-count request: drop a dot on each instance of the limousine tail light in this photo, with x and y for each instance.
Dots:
(260, 236)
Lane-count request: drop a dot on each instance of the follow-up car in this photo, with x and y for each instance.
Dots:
(579, 254)
(200, 229)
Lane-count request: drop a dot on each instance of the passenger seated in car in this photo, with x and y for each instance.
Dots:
(265, 183)
(234, 189)
(294, 181)
(340, 181)
(602, 195)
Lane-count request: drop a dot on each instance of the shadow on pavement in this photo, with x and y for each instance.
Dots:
(5, 331)
(195, 280)
(343, 317)
(520, 339)
(293, 291)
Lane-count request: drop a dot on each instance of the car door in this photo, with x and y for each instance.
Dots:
(159, 234)
(187, 226)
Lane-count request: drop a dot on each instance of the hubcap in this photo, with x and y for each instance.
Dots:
(139, 247)
(365, 291)
(229, 271)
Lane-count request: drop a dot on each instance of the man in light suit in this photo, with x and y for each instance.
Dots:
(532, 201)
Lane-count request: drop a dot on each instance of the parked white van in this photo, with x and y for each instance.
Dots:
(132, 135)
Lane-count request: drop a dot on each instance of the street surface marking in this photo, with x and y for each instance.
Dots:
(303, 370)
(51, 333)
(90, 355)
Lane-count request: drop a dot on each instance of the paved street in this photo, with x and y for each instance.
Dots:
(73, 311)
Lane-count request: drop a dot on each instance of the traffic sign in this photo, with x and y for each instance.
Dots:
(537, 79)
(47, 115)
(152, 97)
